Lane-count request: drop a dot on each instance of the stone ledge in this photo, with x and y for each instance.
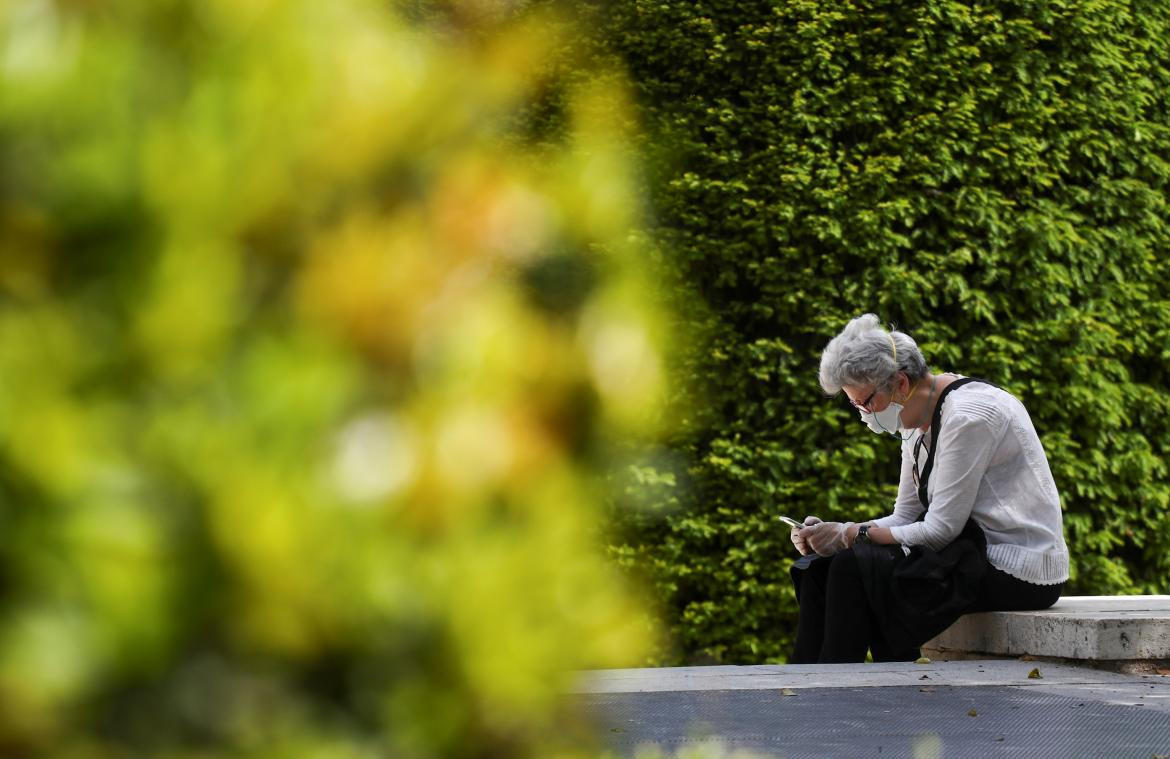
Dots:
(778, 677)
(1106, 629)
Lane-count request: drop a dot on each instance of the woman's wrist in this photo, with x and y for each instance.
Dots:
(874, 534)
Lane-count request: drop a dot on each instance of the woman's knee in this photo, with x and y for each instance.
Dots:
(845, 567)
(845, 583)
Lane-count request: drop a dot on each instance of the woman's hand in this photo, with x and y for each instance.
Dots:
(827, 538)
(799, 542)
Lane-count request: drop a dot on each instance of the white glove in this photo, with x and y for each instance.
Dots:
(827, 538)
(800, 543)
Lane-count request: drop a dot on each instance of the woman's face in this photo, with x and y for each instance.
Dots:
(871, 397)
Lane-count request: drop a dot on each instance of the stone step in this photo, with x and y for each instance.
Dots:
(1076, 628)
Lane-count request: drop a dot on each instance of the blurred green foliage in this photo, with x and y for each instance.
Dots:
(315, 341)
(323, 325)
(989, 176)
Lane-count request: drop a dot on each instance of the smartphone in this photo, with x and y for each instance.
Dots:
(792, 522)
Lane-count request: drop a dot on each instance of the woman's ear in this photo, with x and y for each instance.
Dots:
(903, 385)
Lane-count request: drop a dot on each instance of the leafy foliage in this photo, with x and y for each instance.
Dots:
(989, 176)
(310, 355)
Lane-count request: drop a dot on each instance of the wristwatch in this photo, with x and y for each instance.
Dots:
(862, 534)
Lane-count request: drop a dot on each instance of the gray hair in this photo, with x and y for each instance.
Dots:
(864, 354)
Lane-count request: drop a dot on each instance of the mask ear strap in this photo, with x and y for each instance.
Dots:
(911, 393)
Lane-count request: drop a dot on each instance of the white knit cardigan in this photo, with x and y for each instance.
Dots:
(989, 465)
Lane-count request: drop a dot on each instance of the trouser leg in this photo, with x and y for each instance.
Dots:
(810, 629)
(848, 620)
(883, 651)
(1002, 592)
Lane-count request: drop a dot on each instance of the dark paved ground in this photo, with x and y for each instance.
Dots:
(948, 709)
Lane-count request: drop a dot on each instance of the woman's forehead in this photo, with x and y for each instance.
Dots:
(857, 392)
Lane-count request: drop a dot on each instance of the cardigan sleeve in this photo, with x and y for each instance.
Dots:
(967, 442)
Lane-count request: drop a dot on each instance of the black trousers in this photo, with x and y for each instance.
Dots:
(837, 624)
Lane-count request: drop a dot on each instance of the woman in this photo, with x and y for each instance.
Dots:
(973, 470)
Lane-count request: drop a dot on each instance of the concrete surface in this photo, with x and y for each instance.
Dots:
(1147, 690)
(1113, 628)
(953, 709)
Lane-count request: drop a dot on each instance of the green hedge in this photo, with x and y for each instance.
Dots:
(990, 177)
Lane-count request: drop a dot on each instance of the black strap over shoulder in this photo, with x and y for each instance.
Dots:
(917, 594)
(935, 423)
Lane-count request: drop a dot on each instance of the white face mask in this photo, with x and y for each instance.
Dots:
(888, 419)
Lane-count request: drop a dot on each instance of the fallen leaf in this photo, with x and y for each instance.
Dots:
(1000, 738)
(972, 713)
(922, 660)
(1163, 671)
(1035, 674)
(787, 692)
(1027, 657)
